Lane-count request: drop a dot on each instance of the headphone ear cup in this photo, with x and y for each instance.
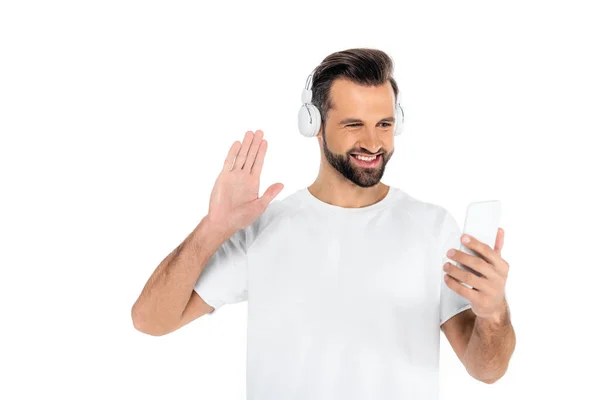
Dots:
(399, 116)
(309, 120)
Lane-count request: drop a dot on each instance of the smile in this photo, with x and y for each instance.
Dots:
(367, 161)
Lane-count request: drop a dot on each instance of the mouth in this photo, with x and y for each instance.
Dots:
(368, 162)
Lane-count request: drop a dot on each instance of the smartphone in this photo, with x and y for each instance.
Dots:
(481, 222)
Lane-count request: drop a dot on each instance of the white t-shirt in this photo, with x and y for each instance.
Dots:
(343, 303)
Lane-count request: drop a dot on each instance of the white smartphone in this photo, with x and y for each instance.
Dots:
(481, 222)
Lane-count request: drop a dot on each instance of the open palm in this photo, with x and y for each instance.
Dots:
(234, 202)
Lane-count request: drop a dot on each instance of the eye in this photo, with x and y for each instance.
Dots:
(387, 124)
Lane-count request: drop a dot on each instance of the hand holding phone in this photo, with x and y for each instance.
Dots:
(481, 222)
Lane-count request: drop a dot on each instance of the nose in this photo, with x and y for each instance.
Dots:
(371, 141)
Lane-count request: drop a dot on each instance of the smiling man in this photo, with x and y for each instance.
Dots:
(358, 163)
(344, 279)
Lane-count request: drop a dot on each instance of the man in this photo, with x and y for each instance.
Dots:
(344, 278)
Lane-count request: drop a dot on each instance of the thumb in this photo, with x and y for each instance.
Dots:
(269, 194)
(499, 241)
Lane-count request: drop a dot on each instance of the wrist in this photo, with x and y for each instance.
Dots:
(210, 231)
(500, 317)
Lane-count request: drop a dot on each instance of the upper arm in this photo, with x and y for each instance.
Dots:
(456, 317)
(458, 331)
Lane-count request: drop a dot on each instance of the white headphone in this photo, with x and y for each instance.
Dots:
(309, 118)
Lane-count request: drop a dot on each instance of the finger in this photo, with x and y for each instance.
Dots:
(486, 252)
(499, 241)
(476, 263)
(263, 201)
(480, 284)
(253, 150)
(260, 158)
(269, 194)
(241, 157)
(459, 288)
(233, 150)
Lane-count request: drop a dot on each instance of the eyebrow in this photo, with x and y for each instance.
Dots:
(352, 120)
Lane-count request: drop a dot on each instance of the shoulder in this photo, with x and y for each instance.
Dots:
(280, 208)
(433, 217)
(276, 210)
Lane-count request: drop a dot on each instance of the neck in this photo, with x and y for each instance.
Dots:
(343, 193)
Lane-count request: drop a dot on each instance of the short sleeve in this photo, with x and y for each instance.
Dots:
(224, 277)
(451, 303)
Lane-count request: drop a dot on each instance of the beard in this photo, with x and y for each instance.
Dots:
(360, 176)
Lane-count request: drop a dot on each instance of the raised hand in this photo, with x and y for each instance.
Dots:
(234, 202)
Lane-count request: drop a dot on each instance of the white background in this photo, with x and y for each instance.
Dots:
(116, 117)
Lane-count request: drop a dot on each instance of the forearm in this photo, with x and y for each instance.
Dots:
(490, 347)
(167, 292)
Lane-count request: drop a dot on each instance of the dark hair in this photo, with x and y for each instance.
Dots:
(365, 66)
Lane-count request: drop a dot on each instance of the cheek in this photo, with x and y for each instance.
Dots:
(338, 146)
(389, 153)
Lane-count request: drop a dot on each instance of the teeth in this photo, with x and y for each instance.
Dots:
(366, 158)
